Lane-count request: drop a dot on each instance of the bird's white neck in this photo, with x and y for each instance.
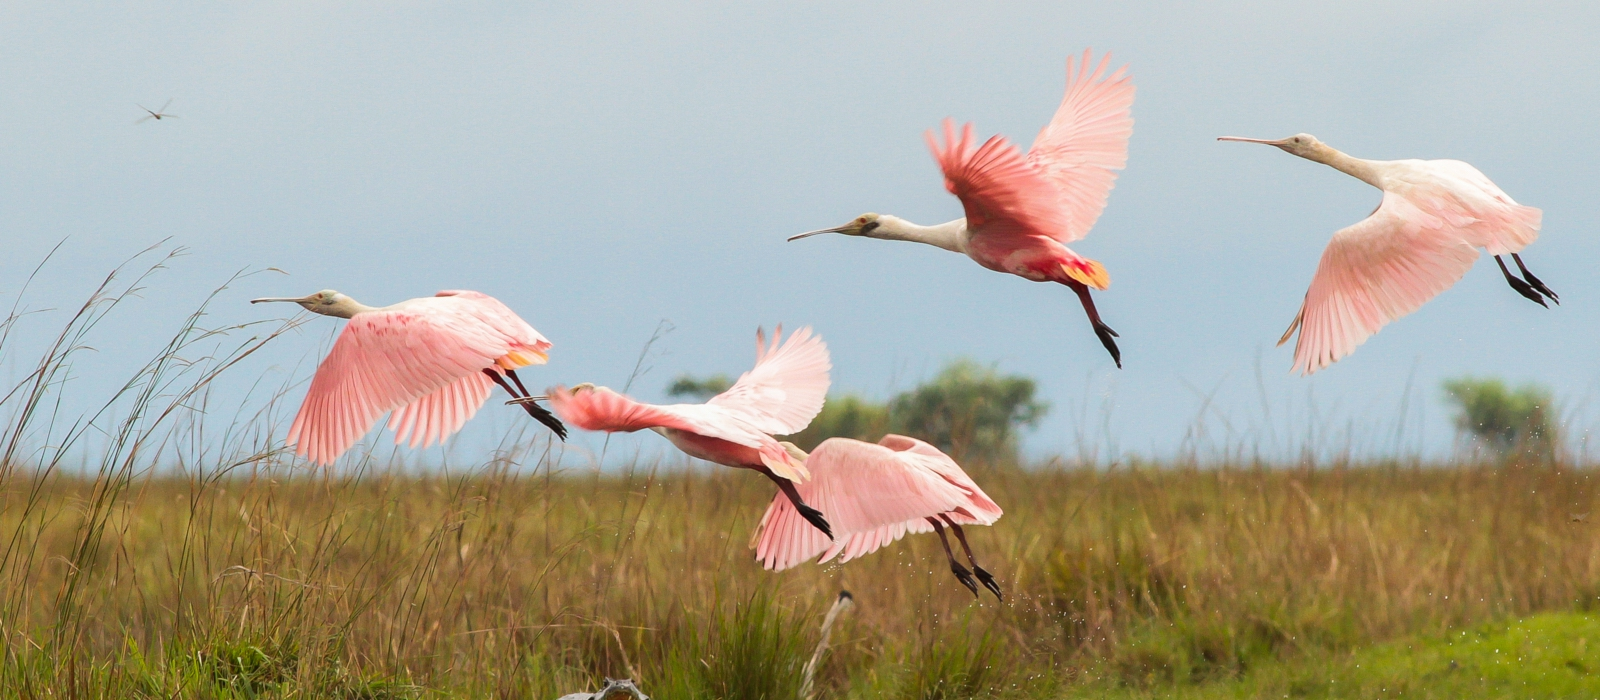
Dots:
(1363, 170)
(947, 235)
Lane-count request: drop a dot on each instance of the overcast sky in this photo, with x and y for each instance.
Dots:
(601, 168)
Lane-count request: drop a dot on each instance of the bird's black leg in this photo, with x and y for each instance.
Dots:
(1534, 281)
(1522, 287)
(513, 375)
(1100, 328)
(984, 576)
(812, 515)
(538, 412)
(962, 575)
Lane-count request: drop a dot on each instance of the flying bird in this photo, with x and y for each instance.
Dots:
(1421, 239)
(874, 494)
(1022, 211)
(779, 396)
(157, 115)
(431, 362)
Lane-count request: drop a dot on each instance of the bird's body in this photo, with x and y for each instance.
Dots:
(875, 494)
(779, 396)
(1022, 211)
(156, 114)
(430, 361)
(1422, 238)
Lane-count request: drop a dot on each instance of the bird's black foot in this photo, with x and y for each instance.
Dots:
(965, 577)
(1533, 281)
(549, 419)
(1527, 291)
(1524, 288)
(1106, 336)
(1539, 287)
(988, 581)
(814, 516)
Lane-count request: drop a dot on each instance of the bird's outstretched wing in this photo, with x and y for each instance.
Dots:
(439, 415)
(384, 360)
(872, 495)
(1001, 193)
(528, 346)
(1375, 271)
(786, 388)
(605, 410)
(1086, 142)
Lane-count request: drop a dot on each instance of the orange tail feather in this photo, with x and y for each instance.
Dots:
(1088, 272)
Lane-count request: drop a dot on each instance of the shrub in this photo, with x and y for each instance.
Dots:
(1506, 422)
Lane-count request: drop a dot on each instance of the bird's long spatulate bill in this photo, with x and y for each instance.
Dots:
(294, 300)
(836, 229)
(1269, 142)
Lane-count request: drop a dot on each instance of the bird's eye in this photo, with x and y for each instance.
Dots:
(868, 227)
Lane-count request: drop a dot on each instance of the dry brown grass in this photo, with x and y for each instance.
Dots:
(492, 582)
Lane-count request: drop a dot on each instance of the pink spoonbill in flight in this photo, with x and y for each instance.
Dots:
(430, 361)
(779, 396)
(1022, 211)
(1421, 239)
(874, 494)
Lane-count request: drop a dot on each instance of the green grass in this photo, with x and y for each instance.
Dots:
(1550, 655)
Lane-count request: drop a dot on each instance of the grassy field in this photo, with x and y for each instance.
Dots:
(163, 546)
(1139, 581)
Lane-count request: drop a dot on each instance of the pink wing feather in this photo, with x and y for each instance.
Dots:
(872, 495)
(422, 359)
(1000, 192)
(786, 388)
(1375, 271)
(1086, 142)
(439, 415)
(606, 410)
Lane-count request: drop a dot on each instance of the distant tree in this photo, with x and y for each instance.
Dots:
(849, 416)
(1504, 421)
(686, 385)
(969, 410)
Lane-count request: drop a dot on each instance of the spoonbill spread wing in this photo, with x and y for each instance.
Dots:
(1373, 272)
(1086, 143)
(873, 494)
(606, 410)
(1001, 193)
(786, 388)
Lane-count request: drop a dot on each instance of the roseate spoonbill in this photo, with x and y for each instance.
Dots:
(779, 396)
(875, 494)
(1021, 211)
(431, 361)
(1421, 239)
(157, 115)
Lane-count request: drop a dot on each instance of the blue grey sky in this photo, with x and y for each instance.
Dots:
(601, 167)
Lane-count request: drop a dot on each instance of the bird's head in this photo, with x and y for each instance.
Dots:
(862, 225)
(1303, 145)
(326, 302)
